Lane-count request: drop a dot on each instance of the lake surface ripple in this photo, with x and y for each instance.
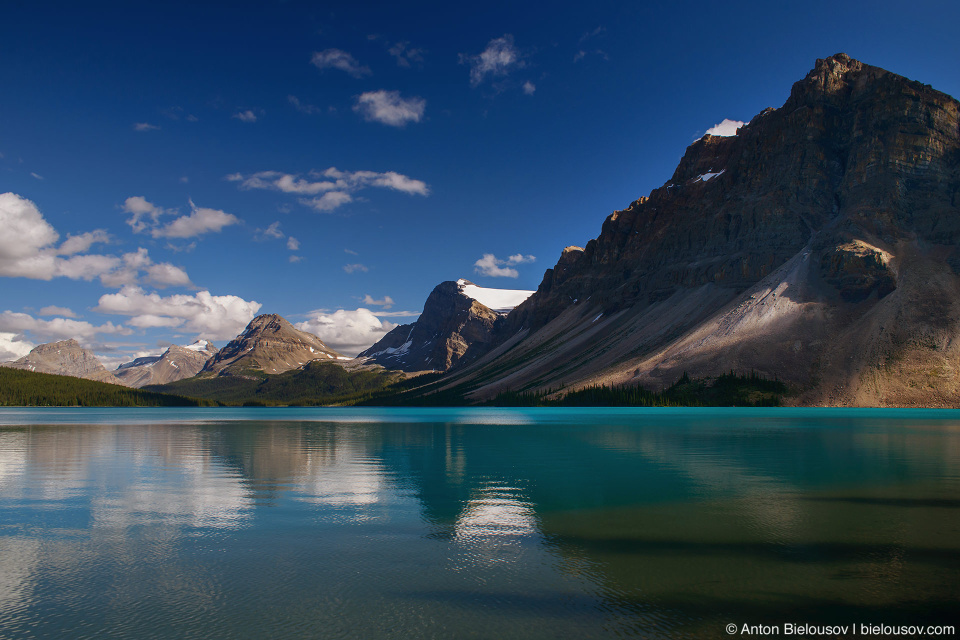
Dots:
(473, 523)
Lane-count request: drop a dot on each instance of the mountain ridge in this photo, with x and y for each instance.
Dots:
(830, 222)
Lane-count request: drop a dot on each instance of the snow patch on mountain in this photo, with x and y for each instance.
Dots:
(499, 300)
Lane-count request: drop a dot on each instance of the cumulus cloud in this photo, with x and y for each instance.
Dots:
(54, 310)
(332, 187)
(56, 328)
(27, 247)
(349, 332)
(146, 216)
(294, 259)
(209, 316)
(293, 244)
(14, 346)
(489, 265)
(82, 242)
(337, 59)
(165, 274)
(145, 126)
(387, 107)
(386, 301)
(499, 58)
(26, 239)
(405, 54)
(200, 221)
(353, 268)
(328, 201)
(245, 116)
(529, 88)
(143, 213)
(726, 128)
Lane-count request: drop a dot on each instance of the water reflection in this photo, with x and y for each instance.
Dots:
(609, 524)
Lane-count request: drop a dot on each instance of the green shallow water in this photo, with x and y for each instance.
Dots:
(474, 523)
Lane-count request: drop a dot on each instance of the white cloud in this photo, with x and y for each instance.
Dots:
(335, 185)
(337, 59)
(328, 201)
(245, 116)
(387, 107)
(56, 328)
(25, 241)
(499, 58)
(211, 317)
(165, 274)
(273, 231)
(201, 220)
(352, 268)
(145, 126)
(489, 265)
(14, 346)
(386, 302)
(396, 314)
(293, 244)
(349, 332)
(351, 252)
(144, 213)
(36, 175)
(294, 259)
(86, 267)
(519, 258)
(53, 310)
(82, 242)
(405, 54)
(726, 128)
(529, 88)
(332, 187)
(26, 246)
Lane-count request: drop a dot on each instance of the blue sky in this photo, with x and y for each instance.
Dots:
(170, 170)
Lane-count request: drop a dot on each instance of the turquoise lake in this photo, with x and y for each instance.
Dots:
(474, 523)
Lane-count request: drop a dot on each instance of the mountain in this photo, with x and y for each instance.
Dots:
(64, 358)
(457, 322)
(176, 363)
(270, 345)
(820, 245)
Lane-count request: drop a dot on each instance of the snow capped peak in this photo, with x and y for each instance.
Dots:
(499, 300)
(199, 345)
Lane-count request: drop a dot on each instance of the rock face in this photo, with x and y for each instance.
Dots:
(821, 245)
(453, 327)
(271, 345)
(176, 363)
(65, 358)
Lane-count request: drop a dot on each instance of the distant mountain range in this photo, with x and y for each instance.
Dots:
(819, 246)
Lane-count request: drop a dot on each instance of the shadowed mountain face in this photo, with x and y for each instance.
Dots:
(176, 363)
(454, 326)
(818, 245)
(65, 358)
(271, 345)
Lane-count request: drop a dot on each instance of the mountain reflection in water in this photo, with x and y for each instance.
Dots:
(474, 523)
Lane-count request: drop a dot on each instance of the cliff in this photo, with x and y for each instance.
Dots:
(818, 245)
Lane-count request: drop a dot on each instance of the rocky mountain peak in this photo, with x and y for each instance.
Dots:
(815, 245)
(176, 363)
(64, 358)
(269, 344)
(457, 322)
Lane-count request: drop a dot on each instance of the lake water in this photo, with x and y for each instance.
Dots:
(474, 523)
